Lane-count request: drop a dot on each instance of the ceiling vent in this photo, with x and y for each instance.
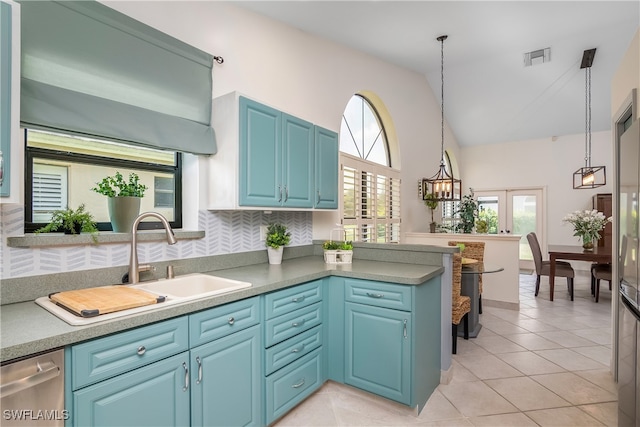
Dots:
(536, 57)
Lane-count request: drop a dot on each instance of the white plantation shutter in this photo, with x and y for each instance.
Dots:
(49, 191)
(370, 201)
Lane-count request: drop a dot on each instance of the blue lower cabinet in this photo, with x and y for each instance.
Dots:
(226, 381)
(292, 384)
(378, 350)
(154, 395)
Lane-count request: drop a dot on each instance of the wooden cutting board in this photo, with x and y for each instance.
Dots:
(104, 299)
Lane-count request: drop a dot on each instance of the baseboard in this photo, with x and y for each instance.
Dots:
(501, 304)
(446, 376)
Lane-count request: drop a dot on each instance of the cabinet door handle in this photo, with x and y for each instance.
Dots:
(231, 320)
(300, 323)
(141, 350)
(286, 194)
(369, 294)
(199, 362)
(280, 193)
(298, 299)
(298, 350)
(186, 377)
(404, 328)
(299, 384)
(318, 202)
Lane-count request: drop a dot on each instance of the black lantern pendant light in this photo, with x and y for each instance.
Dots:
(588, 176)
(443, 186)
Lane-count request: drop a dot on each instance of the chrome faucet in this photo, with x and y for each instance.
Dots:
(134, 267)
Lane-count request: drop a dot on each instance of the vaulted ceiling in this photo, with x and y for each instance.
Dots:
(490, 96)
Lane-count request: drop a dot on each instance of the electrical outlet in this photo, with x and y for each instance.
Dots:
(263, 233)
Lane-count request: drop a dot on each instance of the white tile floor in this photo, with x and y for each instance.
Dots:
(546, 365)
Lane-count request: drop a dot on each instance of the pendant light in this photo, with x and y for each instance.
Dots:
(443, 186)
(588, 176)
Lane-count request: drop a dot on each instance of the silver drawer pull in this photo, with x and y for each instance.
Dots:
(298, 299)
(232, 320)
(300, 323)
(300, 384)
(141, 350)
(369, 294)
(186, 377)
(298, 350)
(199, 362)
(404, 329)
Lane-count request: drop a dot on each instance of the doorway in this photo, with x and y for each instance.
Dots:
(517, 211)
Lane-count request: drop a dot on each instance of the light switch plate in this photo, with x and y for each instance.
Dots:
(263, 233)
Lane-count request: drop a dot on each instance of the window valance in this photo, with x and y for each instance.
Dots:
(91, 70)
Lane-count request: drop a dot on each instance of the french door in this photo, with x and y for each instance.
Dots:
(514, 212)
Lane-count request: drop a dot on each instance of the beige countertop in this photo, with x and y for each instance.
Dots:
(26, 328)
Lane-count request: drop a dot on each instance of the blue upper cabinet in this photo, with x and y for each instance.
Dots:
(276, 158)
(326, 168)
(298, 162)
(260, 154)
(5, 99)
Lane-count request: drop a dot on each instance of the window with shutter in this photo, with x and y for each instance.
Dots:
(49, 190)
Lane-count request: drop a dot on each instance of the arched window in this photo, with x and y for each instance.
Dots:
(370, 200)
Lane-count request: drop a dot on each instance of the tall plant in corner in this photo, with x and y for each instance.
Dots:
(123, 199)
(468, 213)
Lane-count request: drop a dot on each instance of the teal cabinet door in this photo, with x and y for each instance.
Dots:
(260, 155)
(226, 381)
(378, 350)
(5, 101)
(326, 168)
(154, 395)
(298, 162)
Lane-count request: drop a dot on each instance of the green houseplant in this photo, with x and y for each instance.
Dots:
(71, 222)
(431, 201)
(277, 237)
(123, 199)
(338, 252)
(468, 211)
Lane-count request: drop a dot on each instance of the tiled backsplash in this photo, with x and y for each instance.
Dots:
(225, 232)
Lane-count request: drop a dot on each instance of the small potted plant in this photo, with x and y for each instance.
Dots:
(123, 199)
(338, 252)
(468, 210)
(71, 222)
(277, 238)
(431, 201)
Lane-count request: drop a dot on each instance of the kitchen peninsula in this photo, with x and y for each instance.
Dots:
(408, 291)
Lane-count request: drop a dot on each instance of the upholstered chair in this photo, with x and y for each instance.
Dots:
(543, 268)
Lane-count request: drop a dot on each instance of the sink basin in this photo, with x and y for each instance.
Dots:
(176, 290)
(192, 286)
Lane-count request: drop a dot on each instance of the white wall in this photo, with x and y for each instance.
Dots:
(311, 78)
(541, 163)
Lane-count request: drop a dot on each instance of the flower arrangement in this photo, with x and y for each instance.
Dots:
(587, 225)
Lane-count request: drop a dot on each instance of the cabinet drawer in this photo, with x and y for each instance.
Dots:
(288, 300)
(289, 386)
(378, 294)
(288, 325)
(292, 349)
(218, 322)
(103, 358)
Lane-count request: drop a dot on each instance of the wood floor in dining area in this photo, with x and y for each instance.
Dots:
(546, 365)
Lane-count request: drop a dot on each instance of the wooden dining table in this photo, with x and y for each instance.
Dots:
(599, 254)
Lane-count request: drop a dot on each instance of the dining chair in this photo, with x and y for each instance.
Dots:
(543, 268)
(460, 304)
(600, 272)
(473, 250)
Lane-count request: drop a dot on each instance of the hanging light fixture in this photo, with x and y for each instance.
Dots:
(588, 176)
(442, 185)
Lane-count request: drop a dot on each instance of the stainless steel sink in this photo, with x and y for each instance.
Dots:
(192, 286)
(179, 289)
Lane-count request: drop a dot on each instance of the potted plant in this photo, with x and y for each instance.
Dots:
(277, 238)
(468, 210)
(71, 222)
(123, 199)
(338, 252)
(431, 201)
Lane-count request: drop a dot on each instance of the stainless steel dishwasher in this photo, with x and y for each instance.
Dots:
(32, 391)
